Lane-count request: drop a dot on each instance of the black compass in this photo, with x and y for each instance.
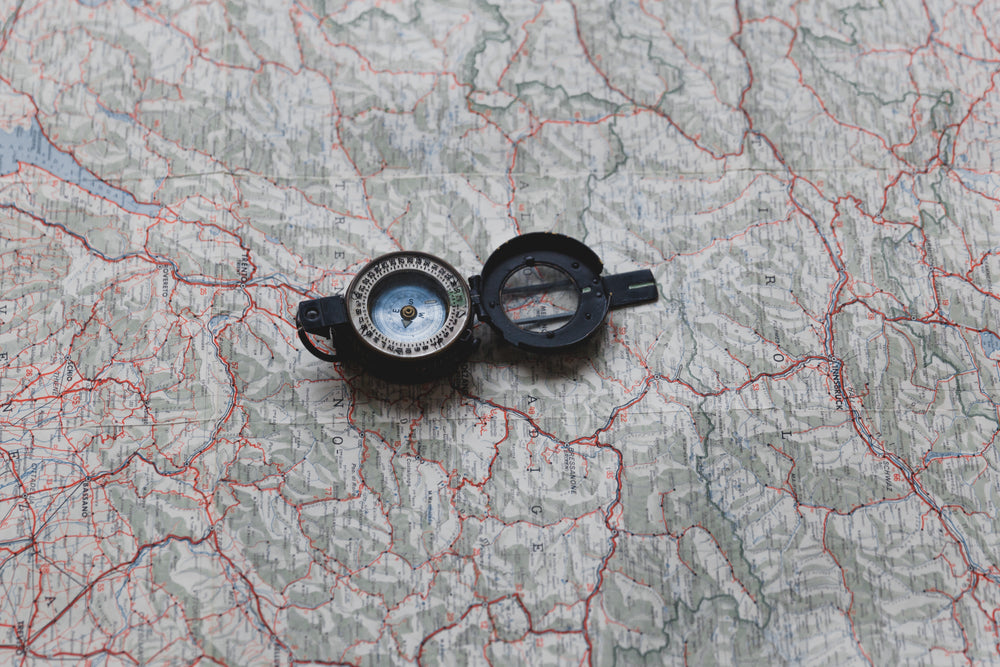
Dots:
(408, 316)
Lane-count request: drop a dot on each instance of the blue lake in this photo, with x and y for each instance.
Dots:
(990, 342)
(31, 146)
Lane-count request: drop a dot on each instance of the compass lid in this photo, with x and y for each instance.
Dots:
(545, 292)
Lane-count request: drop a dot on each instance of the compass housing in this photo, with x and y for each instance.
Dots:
(409, 305)
(408, 316)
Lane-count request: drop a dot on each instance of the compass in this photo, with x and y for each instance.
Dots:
(408, 316)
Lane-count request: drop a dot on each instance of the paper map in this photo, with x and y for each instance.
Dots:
(789, 458)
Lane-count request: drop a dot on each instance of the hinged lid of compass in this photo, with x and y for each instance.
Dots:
(545, 292)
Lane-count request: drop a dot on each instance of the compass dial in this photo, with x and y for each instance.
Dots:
(409, 305)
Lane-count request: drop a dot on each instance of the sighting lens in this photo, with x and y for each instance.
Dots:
(539, 298)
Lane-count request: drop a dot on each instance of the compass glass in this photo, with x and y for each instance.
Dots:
(539, 298)
(408, 306)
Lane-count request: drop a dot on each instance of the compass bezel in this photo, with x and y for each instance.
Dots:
(397, 265)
